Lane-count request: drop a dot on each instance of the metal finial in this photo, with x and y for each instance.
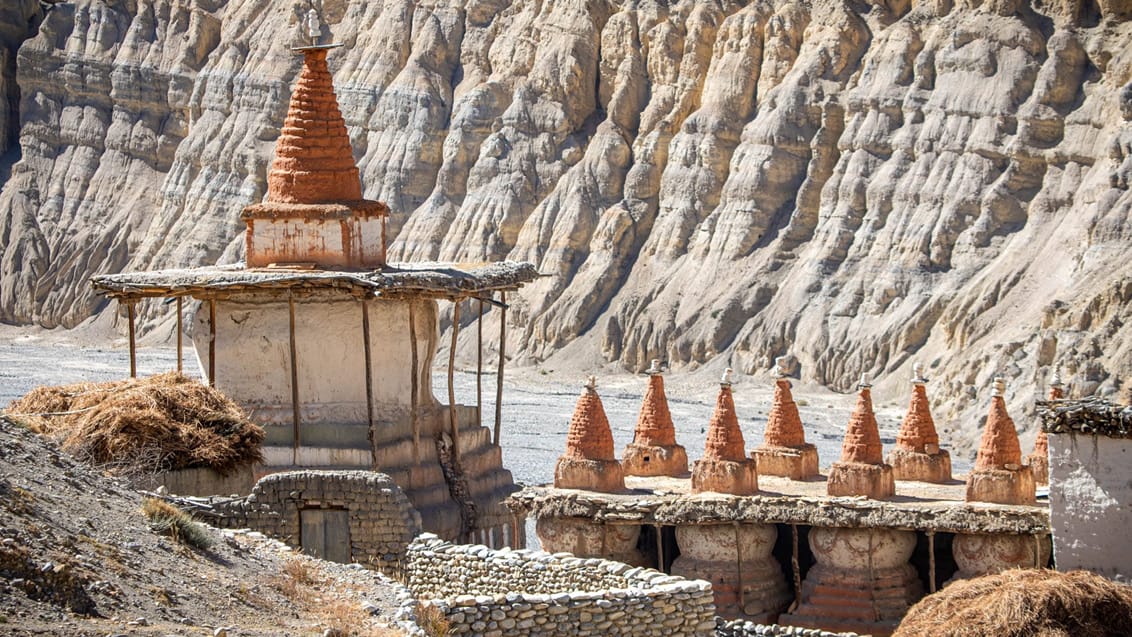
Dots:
(1055, 380)
(918, 373)
(314, 27)
(999, 386)
(654, 368)
(726, 380)
(591, 383)
(780, 367)
(864, 383)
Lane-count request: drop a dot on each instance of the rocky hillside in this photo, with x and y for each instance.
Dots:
(860, 182)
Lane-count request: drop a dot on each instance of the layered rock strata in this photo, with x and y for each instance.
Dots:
(877, 180)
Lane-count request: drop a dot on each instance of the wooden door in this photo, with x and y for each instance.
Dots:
(325, 533)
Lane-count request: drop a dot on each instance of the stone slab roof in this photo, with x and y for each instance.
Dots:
(917, 506)
(1094, 416)
(441, 280)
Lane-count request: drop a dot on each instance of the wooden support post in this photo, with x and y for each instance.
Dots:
(180, 334)
(739, 572)
(499, 371)
(796, 568)
(659, 547)
(295, 416)
(1037, 551)
(413, 416)
(453, 425)
(369, 380)
(212, 342)
(131, 312)
(479, 364)
(931, 560)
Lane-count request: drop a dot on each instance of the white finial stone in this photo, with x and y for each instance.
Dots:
(918, 373)
(726, 380)
(314, 27)
(654, 368)
(1055, 380)
(591, 383)
(864, 384)
(780, 367)
(999, 386)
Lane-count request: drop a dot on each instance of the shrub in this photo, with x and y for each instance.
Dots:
(166, 519)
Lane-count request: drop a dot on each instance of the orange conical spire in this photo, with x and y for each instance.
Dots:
(862, 435)
(589, 436)
(999, 445)
(724, 437)
(654, 425)
(784, 425)
(917, 432)
(313, 159)
(1056, 392)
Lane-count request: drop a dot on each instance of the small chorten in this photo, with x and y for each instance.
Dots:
(917, 455)
(784, 451)
(861, 469)
(1039, 459)
(654, 451)
(589, 462)
(725, 467)
(314, 215)
(999, 475)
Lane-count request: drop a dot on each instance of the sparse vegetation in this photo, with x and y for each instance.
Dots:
(166, 519)
(339, 608)
(432, 620)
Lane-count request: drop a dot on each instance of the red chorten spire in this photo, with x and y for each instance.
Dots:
(1056, 392)
(589, 436)
(784, 425)
(654, 425)
(313, 159)
(999, 445)
(917, 431)
(862, 436)
(724, 437)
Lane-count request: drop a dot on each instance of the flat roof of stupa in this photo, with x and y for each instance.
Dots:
(917, 506)
(430, 279)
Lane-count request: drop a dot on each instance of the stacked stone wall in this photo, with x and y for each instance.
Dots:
(509, 593)
(382, 520)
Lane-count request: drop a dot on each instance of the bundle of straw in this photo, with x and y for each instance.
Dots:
(144, 425)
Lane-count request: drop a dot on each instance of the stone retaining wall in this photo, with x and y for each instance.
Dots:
(509, 593)
(382, 521)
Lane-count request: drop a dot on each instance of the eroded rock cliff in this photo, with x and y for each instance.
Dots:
(860, 183)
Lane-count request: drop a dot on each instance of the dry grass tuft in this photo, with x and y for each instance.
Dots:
(144, 425)
(337, 607)
(1024, 603)
(166, 519)
(432, 621)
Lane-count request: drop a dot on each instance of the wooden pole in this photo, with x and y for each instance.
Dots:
(452, 424)
(413, 416)
(295, 416)
(479, 365)
(931, 560)
(180, 335)
(739, 572)
(369, 379)
(212, 342)
(132, 313)
(796, 568)
(499, 372)
(659, 547)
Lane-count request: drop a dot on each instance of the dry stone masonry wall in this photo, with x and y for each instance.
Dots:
(382, 521)
(510, 593)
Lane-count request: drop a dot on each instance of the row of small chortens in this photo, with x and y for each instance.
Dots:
(999, 476)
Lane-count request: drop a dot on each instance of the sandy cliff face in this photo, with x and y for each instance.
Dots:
(861, 183)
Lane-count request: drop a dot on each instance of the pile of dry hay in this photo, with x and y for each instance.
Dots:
(144, 425)
(1024, 602)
